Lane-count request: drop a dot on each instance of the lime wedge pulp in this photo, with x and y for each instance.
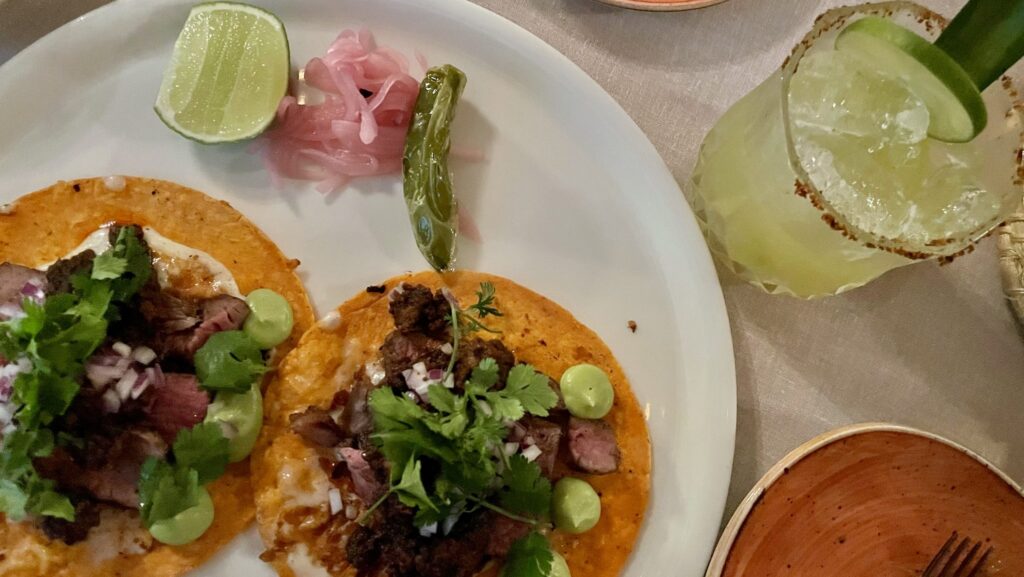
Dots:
(227, 75)
(956, 109)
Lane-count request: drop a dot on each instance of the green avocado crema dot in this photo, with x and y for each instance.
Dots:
(575, 505)
(270, 318)
(240, 416)
(188, 525)
(559, 568)
(587, 392)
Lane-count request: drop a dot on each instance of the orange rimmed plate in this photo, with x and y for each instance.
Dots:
(662, 5)
(871, 500)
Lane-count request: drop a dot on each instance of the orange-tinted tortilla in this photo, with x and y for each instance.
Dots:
(45, 225)
(291, 501)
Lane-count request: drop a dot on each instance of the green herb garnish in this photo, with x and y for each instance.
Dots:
(229, 361)
(165, 489)
(530, 556)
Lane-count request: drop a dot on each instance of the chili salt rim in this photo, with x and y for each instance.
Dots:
(946, 249)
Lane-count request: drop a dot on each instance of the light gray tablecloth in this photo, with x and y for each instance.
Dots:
(927, 346)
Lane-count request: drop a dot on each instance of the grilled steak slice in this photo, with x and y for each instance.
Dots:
(13, 278)
(592, 446)
(316, 427)
(503, 533)
(87, 516)
(368, 484)
(417, 310)
(109, 467)
(166, 311)
(356, 418)
(388, 543)
(544, 434)
(58, 276)
(474, 350)
(178, 403)
(220, 313)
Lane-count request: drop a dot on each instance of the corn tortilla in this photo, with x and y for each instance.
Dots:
(292, 507)
(45, 225)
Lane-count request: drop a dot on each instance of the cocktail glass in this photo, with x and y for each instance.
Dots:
(823, 177)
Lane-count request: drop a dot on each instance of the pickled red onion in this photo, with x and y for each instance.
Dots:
(358, 130)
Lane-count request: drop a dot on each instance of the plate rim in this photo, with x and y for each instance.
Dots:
(723, 373)
(648, 6)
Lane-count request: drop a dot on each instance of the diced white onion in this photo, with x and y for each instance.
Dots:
(420, 368)
(428, 530)
(511, 448)
(8, 429)
(124, 386)
(375, 372)
(449, 522)
(446, 348)
(449, 382)
(111, 402)
(350, 511)
(122, 349)
(531, 453)
(334, 498)
(144, 355)
(6, 414)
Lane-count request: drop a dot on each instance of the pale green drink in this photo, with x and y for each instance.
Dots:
(824, 177)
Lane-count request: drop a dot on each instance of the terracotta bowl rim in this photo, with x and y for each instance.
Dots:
(649, 6)
(735, 525)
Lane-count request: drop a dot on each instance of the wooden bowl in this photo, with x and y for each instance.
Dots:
(871, 500)
(662, 5)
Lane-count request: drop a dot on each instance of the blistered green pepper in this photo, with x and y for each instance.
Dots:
(433, 210)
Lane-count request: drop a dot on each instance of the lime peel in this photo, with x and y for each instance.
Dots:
(227, 74)
(956, 108)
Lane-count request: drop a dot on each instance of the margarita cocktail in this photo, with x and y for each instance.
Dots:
(854, 159)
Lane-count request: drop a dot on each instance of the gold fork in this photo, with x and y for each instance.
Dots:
(953, 565)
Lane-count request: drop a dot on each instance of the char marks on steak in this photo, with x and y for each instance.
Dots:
(220, 313)
(87, 516)
(58, 275)
(417, 310)
(106, 468)
(401, 351)
(592, 446)
(474, 350)
(316, 427)
(176, 404)
(356, 418)
(13, 278)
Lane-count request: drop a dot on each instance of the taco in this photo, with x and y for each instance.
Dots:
(133, 344)
(399, 442)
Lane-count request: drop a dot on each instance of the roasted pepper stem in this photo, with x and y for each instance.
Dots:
(433, 210)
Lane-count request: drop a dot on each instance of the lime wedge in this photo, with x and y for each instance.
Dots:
(227, 75)
(956, 109)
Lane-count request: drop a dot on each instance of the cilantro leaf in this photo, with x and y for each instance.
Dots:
(203, 448)
(49, 503)
(485, 301)
(107, 266)
(410, 489)
(229, 361)
(483, 377)
(166, 490)
(22, 490)
(530, 388)
(526, 491)
(138, 264)
(530, 556)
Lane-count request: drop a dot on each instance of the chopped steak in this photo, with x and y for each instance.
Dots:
(368, 485)
(459, 555)
(544, 434)
(87, 516)
(166, 311)
(503, 533)
(176, 404)
(58, 276)
(109, 468)
(220, 313)
(13, 278)
(592, 446)
(356, 417)
(417, 310)
(316, 427)
(401, 351)
(474, 350)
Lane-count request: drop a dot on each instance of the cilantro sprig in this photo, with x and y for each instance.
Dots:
(166, 489)
(56, 337)
(530, 556)
(461, 437)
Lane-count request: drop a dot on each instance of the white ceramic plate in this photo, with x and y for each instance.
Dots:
(573, 201)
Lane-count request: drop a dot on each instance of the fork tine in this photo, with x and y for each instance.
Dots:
(981, 563)
(966, 563)
(933, 567)
(950, 566)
